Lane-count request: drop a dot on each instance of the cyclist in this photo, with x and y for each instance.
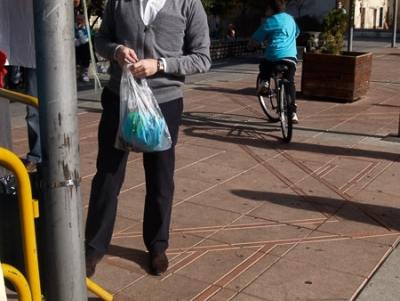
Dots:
(280, 31)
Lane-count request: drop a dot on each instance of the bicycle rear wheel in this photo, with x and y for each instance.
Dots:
(269, 100)
(286, 112)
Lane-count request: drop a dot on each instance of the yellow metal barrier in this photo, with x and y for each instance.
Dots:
(19, 97)
(19, 282)
(33, 101)
(98, 290)
(10, 161)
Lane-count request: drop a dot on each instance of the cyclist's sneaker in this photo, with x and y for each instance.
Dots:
(85, 77)
(295, 119)
(264, 87)
(101, 68)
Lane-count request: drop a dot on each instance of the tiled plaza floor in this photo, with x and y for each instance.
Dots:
(255, 219)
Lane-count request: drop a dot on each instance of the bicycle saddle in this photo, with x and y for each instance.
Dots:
(281, 68)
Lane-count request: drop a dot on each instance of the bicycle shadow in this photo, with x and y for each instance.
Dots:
(253, 131)
(208, 125)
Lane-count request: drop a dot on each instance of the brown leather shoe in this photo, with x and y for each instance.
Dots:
(158, 263)
(91, 263)
(30, 166)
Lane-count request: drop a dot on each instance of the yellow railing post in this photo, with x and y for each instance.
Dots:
(19, 282)
(26, 205)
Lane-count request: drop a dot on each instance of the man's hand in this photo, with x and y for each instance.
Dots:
(125, 55)
(144, 68)
(139, 68)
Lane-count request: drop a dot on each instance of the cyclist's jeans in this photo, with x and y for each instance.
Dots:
(268, 67)
(32, 118)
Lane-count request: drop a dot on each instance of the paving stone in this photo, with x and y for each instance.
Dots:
(254, 218)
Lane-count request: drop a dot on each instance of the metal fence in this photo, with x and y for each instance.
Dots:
(226, 49)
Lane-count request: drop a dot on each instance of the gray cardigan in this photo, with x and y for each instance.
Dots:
(179, 34)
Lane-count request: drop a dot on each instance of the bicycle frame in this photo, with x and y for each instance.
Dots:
(276, 103)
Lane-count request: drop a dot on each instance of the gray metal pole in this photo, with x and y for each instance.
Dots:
(351, 26)
(60, 207)
(395, 8)
(5, 131)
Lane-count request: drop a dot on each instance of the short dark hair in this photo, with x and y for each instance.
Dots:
(278, 6)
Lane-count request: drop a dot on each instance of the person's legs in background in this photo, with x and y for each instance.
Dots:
(100, 67)
(32, 120)
(83, 60)
(13, 77)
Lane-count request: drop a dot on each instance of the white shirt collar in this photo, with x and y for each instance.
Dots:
(149, 10)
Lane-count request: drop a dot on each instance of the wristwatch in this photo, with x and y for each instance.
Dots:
(160, 65)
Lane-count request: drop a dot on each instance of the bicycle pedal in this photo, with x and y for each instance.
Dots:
(268, 94)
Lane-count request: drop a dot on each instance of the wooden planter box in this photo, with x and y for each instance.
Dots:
(346, 76)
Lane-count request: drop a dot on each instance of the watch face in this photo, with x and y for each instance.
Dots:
(160, 65)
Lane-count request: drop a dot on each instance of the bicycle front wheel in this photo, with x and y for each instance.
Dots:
(286, 112)
(269, 100)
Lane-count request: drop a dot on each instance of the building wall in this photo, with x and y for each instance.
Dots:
(372, 14)
(390, 12)
(369, 14)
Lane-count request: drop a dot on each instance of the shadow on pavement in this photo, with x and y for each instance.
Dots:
(384, 216)
(140, 257)
(241, 130)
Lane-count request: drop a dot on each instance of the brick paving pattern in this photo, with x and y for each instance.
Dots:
(255, 219)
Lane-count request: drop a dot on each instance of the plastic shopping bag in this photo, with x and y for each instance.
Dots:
(142, 127)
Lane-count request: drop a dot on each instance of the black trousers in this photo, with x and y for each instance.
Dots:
(111, 164)
(267, 68)
(82, 55)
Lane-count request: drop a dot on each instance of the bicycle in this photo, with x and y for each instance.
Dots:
(276, 101)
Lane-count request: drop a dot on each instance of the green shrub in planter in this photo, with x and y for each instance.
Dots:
(333, 29)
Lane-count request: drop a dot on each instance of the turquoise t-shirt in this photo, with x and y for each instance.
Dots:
(280, 31)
